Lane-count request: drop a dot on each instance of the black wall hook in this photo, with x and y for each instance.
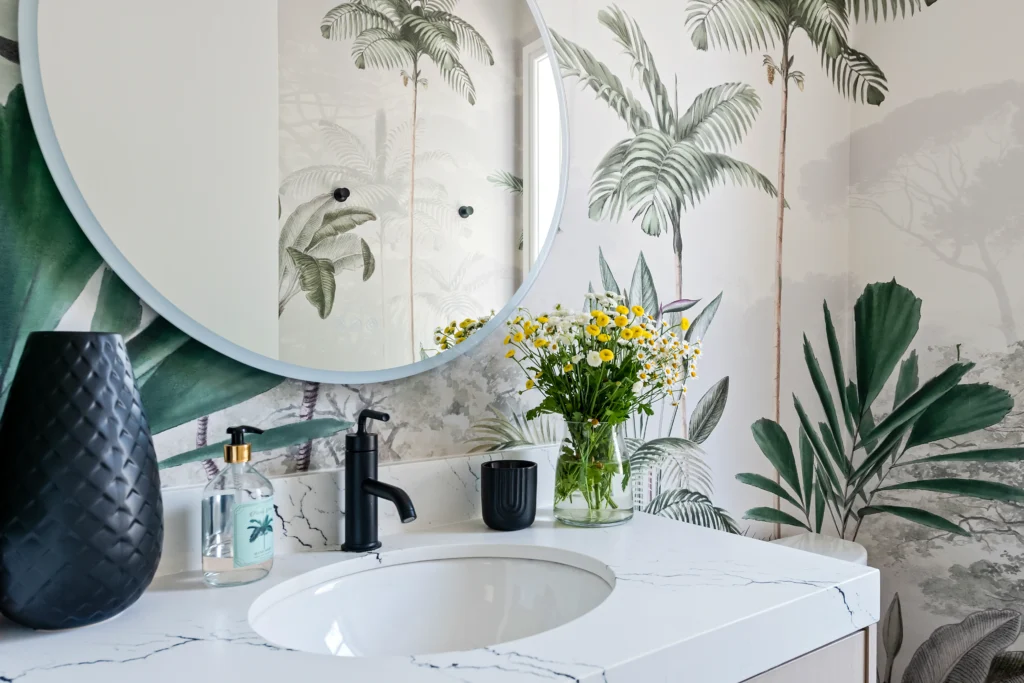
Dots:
(466, 211)
(341, 194)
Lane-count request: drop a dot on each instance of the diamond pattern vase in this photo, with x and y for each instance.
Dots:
(81, 519)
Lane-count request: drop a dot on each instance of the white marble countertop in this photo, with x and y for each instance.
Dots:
(689, 605)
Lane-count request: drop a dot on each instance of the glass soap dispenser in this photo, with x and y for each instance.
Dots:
(238, 518)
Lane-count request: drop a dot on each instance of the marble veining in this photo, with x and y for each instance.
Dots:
(687, 601)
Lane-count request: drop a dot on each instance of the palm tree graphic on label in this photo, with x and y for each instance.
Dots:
(258, 528)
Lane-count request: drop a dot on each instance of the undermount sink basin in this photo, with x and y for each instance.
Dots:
(430, 600)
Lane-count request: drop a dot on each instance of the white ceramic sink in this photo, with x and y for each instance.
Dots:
(430, 600)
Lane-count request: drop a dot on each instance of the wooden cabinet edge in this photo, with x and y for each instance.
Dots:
(852, 659)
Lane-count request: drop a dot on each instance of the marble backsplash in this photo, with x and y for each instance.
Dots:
(310, 507)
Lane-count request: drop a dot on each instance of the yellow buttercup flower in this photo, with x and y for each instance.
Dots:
(596, 313)
(518, 337)
(543, 319)
(459, 341)
(638, 310)
(511, 353)
(603, 320)
(540, 343)
(460, 334)
(621, 320)
(607, 355)
(529, 384)
(626, 334)
(567, 367)
(621, 310)
(603, 338)
(518, 320)
(593, 330)
(508, 338)
(685, 324)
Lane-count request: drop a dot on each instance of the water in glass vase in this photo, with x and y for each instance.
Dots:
(592, 482)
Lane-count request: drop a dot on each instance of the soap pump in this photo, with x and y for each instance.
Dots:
(238, 518)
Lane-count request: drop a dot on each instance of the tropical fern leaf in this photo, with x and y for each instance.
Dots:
(577, 62)
(380, 48)
(499, 432)
(607, 188)
(693, 508)
(628, 34)
(720, 116)
(506, 180)
(856, 76)
(886, 9)
(740, 173)
(459, 80)
(746, 25)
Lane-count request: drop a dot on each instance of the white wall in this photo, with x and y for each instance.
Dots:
(193, 213)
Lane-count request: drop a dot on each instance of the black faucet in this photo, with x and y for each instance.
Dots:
(362, 488)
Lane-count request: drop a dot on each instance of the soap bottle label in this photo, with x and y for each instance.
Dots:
(254, 532)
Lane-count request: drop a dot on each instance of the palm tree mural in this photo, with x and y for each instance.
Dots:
(750, 25)
(671, 160)
(405, 35)
(261, 528)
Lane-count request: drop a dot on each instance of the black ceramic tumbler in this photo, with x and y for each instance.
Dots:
(508, 489)
(81, 524)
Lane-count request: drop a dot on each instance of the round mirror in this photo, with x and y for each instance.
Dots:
(317, 188)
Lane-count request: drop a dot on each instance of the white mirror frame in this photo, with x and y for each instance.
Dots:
(28, 11)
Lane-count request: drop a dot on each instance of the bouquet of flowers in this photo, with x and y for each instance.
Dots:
(596, 369)
(455, 332)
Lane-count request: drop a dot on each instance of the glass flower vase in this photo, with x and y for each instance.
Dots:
(592, 482)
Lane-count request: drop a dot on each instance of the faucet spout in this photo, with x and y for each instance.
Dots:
(406, 511)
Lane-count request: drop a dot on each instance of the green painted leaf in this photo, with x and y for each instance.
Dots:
(818, 447)
(45, 258)
(838, 373)
(195, 381)
(118, 308)
(819, 507)
(887, 317)
(642, 290)
(338, 221)
(920, 400)
(915, 515)
(774, 516)
(699, 326)
(877, 458)
(806, 467)
(991, 455)
(971, 488)
(607, 276)
(907, 382)
(963, 409)
(772, 440)
(369, 264)
(150, 347)
(691, 507)
(272, 439)
(316, 277)
(766, 484)
(709, 411)
(825, 397)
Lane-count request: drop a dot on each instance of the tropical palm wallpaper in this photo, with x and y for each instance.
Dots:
(824, 191)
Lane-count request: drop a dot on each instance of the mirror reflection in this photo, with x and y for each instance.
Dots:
(326, 188)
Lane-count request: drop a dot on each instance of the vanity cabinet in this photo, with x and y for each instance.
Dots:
(850, 660)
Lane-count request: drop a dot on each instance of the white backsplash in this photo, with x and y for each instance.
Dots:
(310, 507)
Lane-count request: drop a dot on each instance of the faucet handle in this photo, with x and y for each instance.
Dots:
(368, 414)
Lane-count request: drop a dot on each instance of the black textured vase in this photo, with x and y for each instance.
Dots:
(81, 520)
(508, 493)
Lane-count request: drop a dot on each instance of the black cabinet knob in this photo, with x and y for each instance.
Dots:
(341, 194)
(466, 211)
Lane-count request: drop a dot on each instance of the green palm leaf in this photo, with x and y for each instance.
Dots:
(316, 277)
(459, 80)
(773, 516)
(641, 289)
(607, 189)
(915, 515)
(745, 25)
(468, 37)
(887, 317)
(720, 116)
(352, 18)
(681, 461)
(509, 181)
(380, 48)
(628, 34)
(499, 432)
(972, 488)
(827, 22)
(855, 75)
(963, 409)
(709, 411)
(739, 173)
(693, 508)
(884, 9)
(577, 62)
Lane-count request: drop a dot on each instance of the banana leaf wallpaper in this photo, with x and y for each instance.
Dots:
(822, 192)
